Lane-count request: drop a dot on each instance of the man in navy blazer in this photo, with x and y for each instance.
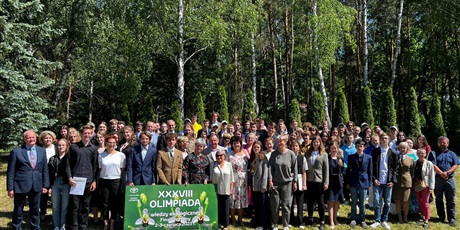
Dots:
(27, 176)
(142, 162)
(358, 180)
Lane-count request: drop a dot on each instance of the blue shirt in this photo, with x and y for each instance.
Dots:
(369, 149)
(28, 153)
(444, 160)
(348, 150)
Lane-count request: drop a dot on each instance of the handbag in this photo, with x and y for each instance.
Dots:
(419, 185)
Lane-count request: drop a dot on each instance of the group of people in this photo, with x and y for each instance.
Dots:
(258, 168)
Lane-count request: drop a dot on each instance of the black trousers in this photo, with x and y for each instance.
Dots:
(223, 207)
(79, 209)
(34, 205)
(297, 220)
(109, 195)
(315, 193)
(43, 203)
(262, 209)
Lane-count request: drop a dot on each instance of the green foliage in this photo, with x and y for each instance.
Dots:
(175, 115)
(316, 109)
(411, 120)
(341, 108)
(249, 109)
(294, 112)
(435, 122)
(23, 72)
(388, 111)
(125, 115)
(198, 108)
(222, 108)
(366, 107)
(454, 126)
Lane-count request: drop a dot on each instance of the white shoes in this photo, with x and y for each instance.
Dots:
(386, 225)
(275, 227)
(56, 228)
(286, 228)
(375, 225)
(302, 227)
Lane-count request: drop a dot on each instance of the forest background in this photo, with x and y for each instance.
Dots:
(392, 62)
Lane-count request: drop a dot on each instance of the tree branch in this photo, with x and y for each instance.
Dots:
(193, 54)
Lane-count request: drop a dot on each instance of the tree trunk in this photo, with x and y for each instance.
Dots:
(271, 27)
(365, 50)
(332, 88)
(457, 48)
(319, 69)
(180, 59)
(398, 43)
(90, 112)
(254, 72)
(69, 96)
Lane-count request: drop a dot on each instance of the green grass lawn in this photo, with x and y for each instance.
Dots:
(6, 212)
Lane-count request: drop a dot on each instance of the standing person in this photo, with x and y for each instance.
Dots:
(222, 175)
(358, 180)
(141, 167)
(423, 174)
(154, 136)
(317, 179)
(334, 193)
(139, 129)
(64, 132)
(268, 147)
(83, 159)
(403, 185)
(196, 165)
(348, 149)
(261, 201)
(385, 165)
(46, 139)
(59, 181)
(422, 143)
(302, 168)
(195, 125)
(27, 177)
(95, 202)
(169, 162)
(111, 165)
(282, 181)
(239, 198)
(213, 147)
(445, 163)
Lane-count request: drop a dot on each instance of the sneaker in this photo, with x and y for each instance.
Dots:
(452, 223)
(260, 228)
(286, 228)
(62, 228)
(302, 227)
(321, 226)
(375, 225)
(386, 225)
(346, 202)
(425, 225)
(353, 224)
(56, 228)
(275, 227)
(363, 225)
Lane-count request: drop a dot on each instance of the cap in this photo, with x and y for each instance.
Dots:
(224, 121)
(214, 125)
(394, 127)
(341, 124)
(364, 124)
(187, 119)
(91, 124)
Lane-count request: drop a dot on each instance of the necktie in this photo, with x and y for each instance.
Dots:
(32, 158)
(171, 156)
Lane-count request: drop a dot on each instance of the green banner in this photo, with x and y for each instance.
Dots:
(171, 207)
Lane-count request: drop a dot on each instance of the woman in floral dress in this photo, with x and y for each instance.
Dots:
(239, 198)
(196, 165)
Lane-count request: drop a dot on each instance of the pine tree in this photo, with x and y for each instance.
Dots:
(316, 109)
(388, 113)
(454, 126)
(367, 112)
(176, 115)
(249, 109)
(126, 116)
(341, 108)
(412, 120)
(222, 104)
(294, 112)
(23, 73)
(199, 108)
(435, 121)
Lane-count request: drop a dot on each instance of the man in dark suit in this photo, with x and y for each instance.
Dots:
(169, 162)
(358, 180)
(142, 162)
(161, 145)
(27, 176)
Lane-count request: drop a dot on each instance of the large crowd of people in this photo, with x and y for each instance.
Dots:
(260, 169)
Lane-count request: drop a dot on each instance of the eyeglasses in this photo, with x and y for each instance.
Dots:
(219, 155)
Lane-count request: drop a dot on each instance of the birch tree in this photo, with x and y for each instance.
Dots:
(398, 43)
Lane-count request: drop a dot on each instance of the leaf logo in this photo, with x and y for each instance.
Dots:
(133, 190)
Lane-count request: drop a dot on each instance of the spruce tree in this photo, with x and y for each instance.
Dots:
(175, 115)
(411, 120)
(294, 112)
(367, 112)
(24, 74)
(222, 104)
(454, 126)
(199, 108)
(435, 121)
(125, 115)
(388, 113)
(249, 109)
(341, 108)
(316, 109)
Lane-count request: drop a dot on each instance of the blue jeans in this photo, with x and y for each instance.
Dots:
(382, 192)
(445, 188)
(60, 199)
(358, 196)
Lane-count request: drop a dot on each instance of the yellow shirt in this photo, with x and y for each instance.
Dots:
(196, 128)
